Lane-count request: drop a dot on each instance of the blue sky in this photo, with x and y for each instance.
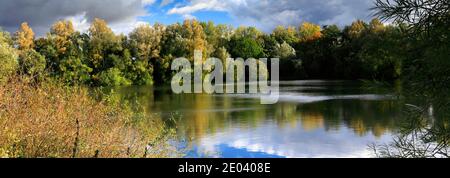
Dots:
(264, 14)
(124, 15)
(158, 13)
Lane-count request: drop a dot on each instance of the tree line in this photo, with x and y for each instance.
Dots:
(99, 57)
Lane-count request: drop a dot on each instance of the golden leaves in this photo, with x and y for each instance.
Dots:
(309, 32)
(24, 38)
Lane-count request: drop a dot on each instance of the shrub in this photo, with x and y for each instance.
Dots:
(32, 63)
(113, 77)
(50, 120)
(8, 58)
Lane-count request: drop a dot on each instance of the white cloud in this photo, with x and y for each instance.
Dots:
(166, 2)
(290, 142)
(267, 14)
(188, 16)
(148, 2)
(81, 23)
(198, 5)
(41, 14)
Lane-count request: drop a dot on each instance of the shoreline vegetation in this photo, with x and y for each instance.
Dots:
(99, 57)
(46, 110)
(51, 120)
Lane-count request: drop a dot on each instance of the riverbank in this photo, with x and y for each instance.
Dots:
(52, 120)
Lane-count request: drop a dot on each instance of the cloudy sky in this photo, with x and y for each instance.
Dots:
(123, 15)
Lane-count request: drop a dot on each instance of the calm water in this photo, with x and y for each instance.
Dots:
(312, 119)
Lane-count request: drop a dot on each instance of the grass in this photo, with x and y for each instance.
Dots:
(56, 121)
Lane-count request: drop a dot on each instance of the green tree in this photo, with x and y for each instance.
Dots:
(288, 35)
(113, 77)
(107, 57)
(66, 52)
(245, 47)
(103, 42)
(32, 64)
(145, 44)
(173, 45)
(8, 57)
(284, 51)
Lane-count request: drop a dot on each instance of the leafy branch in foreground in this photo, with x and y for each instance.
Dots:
(423, 15)
(426, 130)
(421, 136)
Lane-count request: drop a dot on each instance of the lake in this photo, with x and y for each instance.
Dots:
(312, 119)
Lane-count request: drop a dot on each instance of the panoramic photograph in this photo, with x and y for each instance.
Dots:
(224, 79)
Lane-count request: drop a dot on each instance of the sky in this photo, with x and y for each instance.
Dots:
(124, 15)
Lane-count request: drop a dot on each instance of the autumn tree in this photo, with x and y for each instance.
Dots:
(67, 53)
(180, 40)
(31, 63)
(103, 42)
(356, 29)
(107, 57)
(61, 32)
(147, 41)
(376, 26)
(248, 32)
(195, 36)
(222, 54)
(24, 37)
(309, 32)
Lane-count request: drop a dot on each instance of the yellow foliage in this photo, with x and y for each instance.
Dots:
(24, 37)
(99, 29)
(148, 40)
(195, 36)
(310, 32)
(62, 30)
(356, 28)
(51, 120)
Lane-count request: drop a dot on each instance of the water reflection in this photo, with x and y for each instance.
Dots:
(312, 119)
